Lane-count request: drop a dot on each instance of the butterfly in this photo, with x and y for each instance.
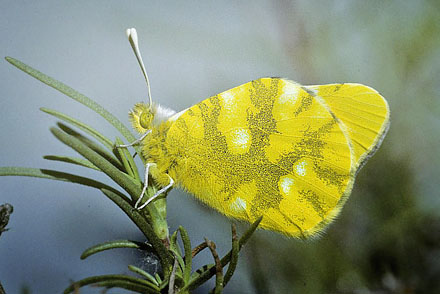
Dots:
(270, 147)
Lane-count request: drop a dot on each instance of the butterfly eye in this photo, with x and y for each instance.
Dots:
(145, 119)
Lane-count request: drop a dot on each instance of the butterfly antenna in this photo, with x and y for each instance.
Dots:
(133, 39)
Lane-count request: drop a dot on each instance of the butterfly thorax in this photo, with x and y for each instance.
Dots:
(155, 149)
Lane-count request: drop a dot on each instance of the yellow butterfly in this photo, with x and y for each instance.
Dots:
(270, 148)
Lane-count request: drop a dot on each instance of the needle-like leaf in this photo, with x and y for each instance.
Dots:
(72, 160)
(81, 98)
(115, 244)
(86, 128)
(111, 281)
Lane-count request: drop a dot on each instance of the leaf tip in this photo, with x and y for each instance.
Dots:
(11, 60)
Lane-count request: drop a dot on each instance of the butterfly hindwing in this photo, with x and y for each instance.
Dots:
(364, 112)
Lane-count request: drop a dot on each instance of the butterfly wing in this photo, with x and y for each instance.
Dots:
(363, 111)
(270, 148)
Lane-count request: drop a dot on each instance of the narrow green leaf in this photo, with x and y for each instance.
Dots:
(74, 95)
(102, 163)
(188, 254)
(195, 275)
(117, 197)
(92, 145)
(114, 195)
(86, 128)
(121, 155)
(234, 256)
(173, 243)
(127, 160)
(72, 160)
(80, 98)
(59, 176)
(143, 273)
(249, 232)
(133, 188)
(128, 286)
(158, 279)
(145, 285)
(129, 184)
(115, 244)
(174, 247)
(165, 257)
(140, 220)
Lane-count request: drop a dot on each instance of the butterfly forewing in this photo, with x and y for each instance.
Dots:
(269, 148)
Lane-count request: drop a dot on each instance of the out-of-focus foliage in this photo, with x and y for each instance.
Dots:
(387, 239)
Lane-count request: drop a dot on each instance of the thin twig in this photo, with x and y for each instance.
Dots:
(172, 277)
(209, 270)
(218, 267)
(198, 248)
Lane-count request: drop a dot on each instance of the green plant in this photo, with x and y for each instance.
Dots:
(100, 153)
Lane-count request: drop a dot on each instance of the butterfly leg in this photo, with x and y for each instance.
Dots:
(158, 193)
(137, 141)
(147, 168)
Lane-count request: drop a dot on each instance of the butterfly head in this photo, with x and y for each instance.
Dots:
(141, 117)
(144, 118)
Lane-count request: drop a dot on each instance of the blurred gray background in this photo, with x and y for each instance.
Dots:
(387, 237)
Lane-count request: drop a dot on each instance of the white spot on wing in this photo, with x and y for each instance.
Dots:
(301, 168)
(286, 184)
(289, 94)
(240, 138)
(238, 204)
(228, 98)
